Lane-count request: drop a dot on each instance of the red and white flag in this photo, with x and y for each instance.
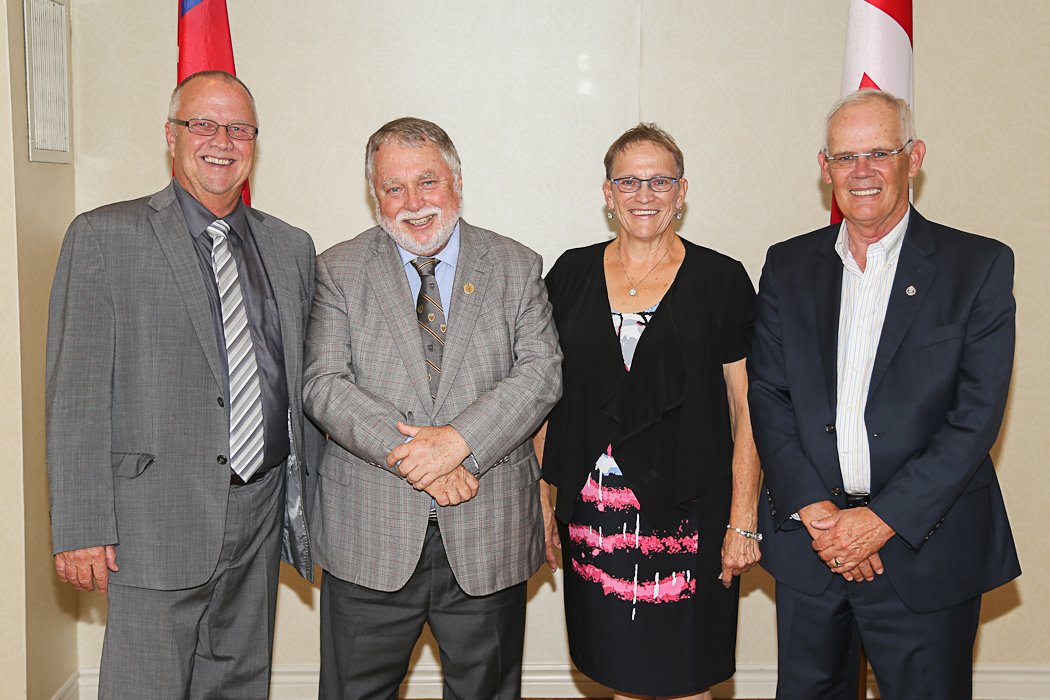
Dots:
(878, 53)
(205, 44)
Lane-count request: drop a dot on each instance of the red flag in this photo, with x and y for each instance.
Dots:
(205, 44)
(878, 53)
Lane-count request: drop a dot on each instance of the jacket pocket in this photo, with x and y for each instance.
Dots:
(336, 464)
(131, 464)
(526, 472)
(935, 335)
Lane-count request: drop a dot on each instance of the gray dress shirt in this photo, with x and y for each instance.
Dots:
(263, 319)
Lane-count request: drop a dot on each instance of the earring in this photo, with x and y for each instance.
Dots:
(678, 214)
(611, 215)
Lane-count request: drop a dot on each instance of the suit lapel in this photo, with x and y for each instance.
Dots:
(827, 289)
(463, 307)
(173, 236)
(915, 273)
(390, 283)
(278, 261)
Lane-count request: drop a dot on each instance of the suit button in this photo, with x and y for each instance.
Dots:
(836, 492)
(221, 402)
(830, 427)
(221, 459)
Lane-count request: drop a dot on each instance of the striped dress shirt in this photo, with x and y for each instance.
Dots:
(865, 296)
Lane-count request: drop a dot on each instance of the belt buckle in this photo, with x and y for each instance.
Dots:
(857, 500)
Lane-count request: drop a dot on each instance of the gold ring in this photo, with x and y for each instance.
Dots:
(838, 562)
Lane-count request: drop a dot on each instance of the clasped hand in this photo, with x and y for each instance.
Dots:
(848, 541)
(433, 462)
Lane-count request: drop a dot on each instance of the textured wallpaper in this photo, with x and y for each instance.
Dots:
(533, 93)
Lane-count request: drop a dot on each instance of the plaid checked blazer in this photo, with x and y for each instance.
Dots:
(364, 371)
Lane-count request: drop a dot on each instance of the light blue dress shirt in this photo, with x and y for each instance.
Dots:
(444, 271)
(445, 274)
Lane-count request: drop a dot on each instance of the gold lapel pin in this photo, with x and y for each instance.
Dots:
(910, 291)
(468, 288)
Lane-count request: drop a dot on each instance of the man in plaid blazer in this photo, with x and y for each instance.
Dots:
(428, 503)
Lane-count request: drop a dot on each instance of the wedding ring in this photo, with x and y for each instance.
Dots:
(837, 561)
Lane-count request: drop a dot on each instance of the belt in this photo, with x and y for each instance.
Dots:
(236, 480)
(857, 500)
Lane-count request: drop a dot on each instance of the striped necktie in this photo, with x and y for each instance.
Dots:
(246, 417)
(431, 320)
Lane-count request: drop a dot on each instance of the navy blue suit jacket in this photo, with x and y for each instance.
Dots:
(935, 404)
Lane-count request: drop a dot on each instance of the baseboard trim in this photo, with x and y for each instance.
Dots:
(563, 681)
(70, 690)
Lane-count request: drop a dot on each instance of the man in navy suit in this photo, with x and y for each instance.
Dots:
(879, 377)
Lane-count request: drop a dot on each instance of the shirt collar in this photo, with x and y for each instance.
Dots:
(198, 217)
(448, 255)
(891, 242)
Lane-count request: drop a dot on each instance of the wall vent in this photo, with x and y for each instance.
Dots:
(48, 81)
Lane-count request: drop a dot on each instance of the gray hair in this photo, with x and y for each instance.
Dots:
(176, 95)
(411, 132)
(904, 114)
(645, 133)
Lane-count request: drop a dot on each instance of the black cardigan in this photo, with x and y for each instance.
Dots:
(668, 419)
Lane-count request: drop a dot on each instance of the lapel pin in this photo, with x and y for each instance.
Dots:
(468, 288)
(910, 291)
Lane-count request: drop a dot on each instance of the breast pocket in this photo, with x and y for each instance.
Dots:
(934, 336)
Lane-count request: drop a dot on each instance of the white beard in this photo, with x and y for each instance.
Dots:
(446, 226)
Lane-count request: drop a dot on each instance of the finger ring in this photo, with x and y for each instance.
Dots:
(838, 562)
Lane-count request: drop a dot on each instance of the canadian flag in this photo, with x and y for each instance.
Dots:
(879, 53)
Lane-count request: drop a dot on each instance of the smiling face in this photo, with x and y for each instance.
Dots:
(212, 168)
(417, 197)
(873, 198)
(645, 214)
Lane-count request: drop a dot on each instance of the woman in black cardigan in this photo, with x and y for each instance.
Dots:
(650, 448)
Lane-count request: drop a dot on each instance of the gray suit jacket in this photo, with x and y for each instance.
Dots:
(135, 417)
(501, 373)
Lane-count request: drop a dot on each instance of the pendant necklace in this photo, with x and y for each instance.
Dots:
(634, 287)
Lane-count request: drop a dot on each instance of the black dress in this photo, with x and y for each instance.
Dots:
(642, 517)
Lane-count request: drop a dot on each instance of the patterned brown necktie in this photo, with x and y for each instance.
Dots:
(431, 320)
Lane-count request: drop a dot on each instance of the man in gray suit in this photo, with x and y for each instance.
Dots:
(431, 358)
(175, 432)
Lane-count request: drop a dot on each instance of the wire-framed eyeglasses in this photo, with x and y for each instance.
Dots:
(207, 127)
(849, 160)
(628, 185)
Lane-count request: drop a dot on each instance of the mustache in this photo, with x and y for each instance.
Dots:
(428, 210)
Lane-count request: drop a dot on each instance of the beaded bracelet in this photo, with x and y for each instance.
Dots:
(757, 536)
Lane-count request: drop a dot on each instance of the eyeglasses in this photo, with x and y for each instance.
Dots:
(849, 160)
(206, 127)
(627, 185)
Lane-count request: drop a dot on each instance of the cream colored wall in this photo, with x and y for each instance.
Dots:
(40, 646)
(44, 202)
(12, 539)
(533, 93)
